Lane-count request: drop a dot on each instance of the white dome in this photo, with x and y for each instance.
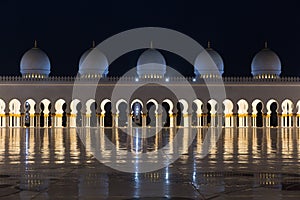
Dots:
(266, 62)
(35, 62)
(93, 62)
(209, 62)
(151, 63)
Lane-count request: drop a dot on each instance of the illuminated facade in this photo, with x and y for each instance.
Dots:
(38, 100)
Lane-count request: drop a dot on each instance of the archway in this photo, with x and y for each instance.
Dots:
(168, 117)
(287, 113)
(136, 107)
(93, 119)
(194, 117)
(213, 112)
(228, 113)
(122, 109)
(257, 115)
(242, 113)
(14, 113)
(90, 115)
(179, 117)
(60, 113)
(29, 107)
(75, 113)
(208, 114)
(271, 116)
(152, 113)
(45, 110)
(106, 114)
(198, 112)
(184, 118)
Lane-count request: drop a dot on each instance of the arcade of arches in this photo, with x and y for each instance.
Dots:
(151, 113)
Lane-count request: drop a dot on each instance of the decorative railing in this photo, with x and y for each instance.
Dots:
(114, 79)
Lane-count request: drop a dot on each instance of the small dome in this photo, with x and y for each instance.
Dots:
(93, 62)
(266, 62)
(35, 63)
(151, 64)
(209, 62)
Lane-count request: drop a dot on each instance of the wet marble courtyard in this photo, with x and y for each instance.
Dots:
(243, 163)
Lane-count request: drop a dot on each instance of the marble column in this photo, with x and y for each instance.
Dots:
(171, 115)
(46, 120)
(102, 119)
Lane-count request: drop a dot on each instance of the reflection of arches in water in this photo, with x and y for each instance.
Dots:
(259, 116)
(136, 114)
(165, 114)
(78, 115)
(107, 116)
(273, 116)
(151, 114)
(179, 118)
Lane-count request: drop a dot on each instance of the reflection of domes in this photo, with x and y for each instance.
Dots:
(35, 63)
(265, 63)
(209, 62)
(151, 64)
(93, 62)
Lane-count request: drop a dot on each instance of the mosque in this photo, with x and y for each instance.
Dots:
(37, 99)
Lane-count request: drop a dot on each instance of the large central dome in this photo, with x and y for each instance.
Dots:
(151, 64)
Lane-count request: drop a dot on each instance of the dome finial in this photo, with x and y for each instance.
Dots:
(151, 44)
(266, 44)
(93, 44)
(208, 44)
(35, 44)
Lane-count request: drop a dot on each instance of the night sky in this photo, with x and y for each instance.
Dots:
(65, 29)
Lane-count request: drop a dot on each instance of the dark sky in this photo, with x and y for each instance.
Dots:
(65, 29)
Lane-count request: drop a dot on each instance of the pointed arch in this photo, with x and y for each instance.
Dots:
(14, 113)
(242, 113)
(102, 105)
(287, 113)
(228, 113)
(257, 115)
